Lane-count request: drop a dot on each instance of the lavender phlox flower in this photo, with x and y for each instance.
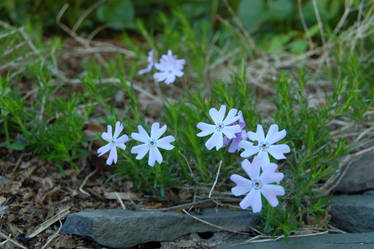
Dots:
(113, 142)
(265, 145)
(170, 67)
(242, 135)
(151, 143)
(150, 63)
(221, 127)
(258, 184)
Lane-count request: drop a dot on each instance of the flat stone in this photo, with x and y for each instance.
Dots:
(359, 177)
(353, 213)
(326, 241)
(120, 228)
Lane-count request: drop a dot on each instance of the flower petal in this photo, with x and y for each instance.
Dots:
(160, 76)
(170, 79)
(234, 145)
(216, 140)
(249, 148)
(121, 146)
(258, 136)
(277, 151)
(252, 199)
(178, 73)
(241, 120)
(107, 136)
(214, 114)
(272, 167)
(145, 70)
(154, 155)
(103, 149)
(252, 169)
(123, 139)
(257, 202)
(273, 130)
(156, 131)
(118, 129)
(231, 130)
(243, 185)
(141, 150)
(248, 199)
(270, 176)
(274, 135)
(264, 157)
(271, 191)
(112, 156)
(164, 143)
(260, 133)
(206, 129)
(142, 136)
(221, 113)
(231, 117)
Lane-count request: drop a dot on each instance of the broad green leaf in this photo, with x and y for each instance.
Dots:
(119, 14)
(280, 10)
(251, 14)
(299, 46)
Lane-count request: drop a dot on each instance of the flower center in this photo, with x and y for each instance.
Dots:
(257, 184)
(170, 71)
(152, 143)
(263, 146)
(220, 127)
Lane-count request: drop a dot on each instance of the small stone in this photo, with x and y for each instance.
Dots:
(353, 213)
(120, 228)
(359, 177)
(3, 180)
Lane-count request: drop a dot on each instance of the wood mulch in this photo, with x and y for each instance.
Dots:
(32, 191)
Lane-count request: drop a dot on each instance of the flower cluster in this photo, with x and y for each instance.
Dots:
(150, 143)
(226, 130)
(169, 67)
(231, 130)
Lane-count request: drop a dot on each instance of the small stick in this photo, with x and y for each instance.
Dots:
(8, 239)
(188, 165)
(282, 236)
(215, 181)
(53, 236)
(84, 183)
(85, 14)
(183, 206)
(210, 224)
(120, 200)
(49, 222)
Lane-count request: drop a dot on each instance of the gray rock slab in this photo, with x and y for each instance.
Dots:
(326, 241)
(353, 213)
(359, 177)
(119, 228)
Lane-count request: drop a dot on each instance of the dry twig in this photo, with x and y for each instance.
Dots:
(85, 181)
(9, 239)
(210, 224)
(215, 181)
(60, 215)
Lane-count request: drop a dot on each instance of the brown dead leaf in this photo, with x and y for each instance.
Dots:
(2, 200)
(123, 195)
(153, 206)
(91, 132)
(64, 241)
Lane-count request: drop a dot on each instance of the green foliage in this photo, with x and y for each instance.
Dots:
(49, 120)
(119, 14)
